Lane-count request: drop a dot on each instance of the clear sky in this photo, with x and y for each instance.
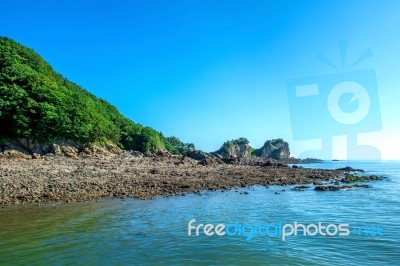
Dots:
(208, 71)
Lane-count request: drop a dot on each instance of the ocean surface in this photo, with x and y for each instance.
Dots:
(155, 232)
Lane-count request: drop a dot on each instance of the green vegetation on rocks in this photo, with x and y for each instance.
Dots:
(40, 105)
(235, 148)
(276, 149)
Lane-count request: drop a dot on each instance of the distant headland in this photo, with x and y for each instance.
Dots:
(60, 143)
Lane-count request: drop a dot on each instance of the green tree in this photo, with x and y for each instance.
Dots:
(39, 104)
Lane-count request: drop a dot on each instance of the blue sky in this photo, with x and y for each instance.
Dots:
(208, 71)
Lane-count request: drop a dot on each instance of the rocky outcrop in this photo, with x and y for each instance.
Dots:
(300, 188)
(336, 188)
(350, 178)
(350, 169)
(31, 147)
(63, 179)
(238, 148)
(277, 149)
(14, 155)
(198, 155)
(274, 153)
(211, 161)
(28, 149)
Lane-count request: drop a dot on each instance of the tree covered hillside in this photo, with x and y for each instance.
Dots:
(39, 104)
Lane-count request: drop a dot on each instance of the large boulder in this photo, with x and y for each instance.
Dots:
(69, 151)
(277, 149)
(55, 149)
(14, 154)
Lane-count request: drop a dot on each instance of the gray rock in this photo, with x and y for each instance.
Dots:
(36, 156)
(336, 188)
(237, 148)
(198, 155)
(277, 149)
(55, 149)
(300, 188)
(136, 153)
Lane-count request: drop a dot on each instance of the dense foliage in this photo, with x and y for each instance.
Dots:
(175, 146)
(39, 104)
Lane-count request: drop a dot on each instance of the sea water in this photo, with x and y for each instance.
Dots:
(148, 232)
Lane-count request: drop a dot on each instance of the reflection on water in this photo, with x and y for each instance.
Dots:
(155, 231)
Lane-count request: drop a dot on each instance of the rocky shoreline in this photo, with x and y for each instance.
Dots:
(53, 179)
